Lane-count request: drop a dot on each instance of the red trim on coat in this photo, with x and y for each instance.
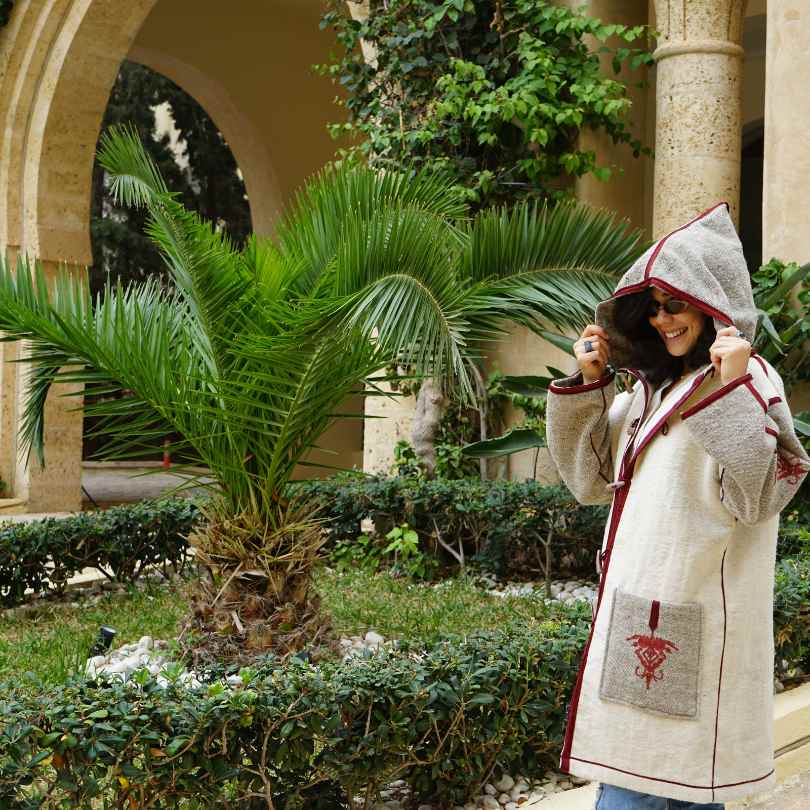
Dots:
(655, 612)
(661, 242)
(757, 396)
(672, 290)
(696, 383)
(713, 397)
(619, 499)
(774, 433)
(759, 360)
(580, 389)
(672, 781)
(720, 674)
(774, 400)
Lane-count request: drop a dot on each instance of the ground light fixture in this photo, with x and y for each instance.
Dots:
(103, 640)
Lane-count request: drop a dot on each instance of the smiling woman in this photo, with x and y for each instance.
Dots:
(682, 631)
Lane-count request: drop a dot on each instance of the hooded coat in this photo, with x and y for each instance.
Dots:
(674, 694)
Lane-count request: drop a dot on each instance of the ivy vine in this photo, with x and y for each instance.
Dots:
(493, 92)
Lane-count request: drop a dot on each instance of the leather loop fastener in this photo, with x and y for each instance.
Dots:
(614, 485)
(600, 560)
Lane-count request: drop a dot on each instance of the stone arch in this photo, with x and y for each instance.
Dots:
(58, 62)
(239, 131)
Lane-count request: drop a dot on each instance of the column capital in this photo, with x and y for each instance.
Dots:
(699, 20)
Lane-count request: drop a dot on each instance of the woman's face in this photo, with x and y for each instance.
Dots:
(679, 332)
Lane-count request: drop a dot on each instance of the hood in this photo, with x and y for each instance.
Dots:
(701, 262)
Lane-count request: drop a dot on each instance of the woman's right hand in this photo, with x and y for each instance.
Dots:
(592, 363)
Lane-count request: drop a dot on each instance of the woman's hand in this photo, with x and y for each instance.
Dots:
(730, 353)
(592, 363)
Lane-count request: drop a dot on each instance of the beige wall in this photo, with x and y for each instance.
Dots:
(624, 193)
(252, 71)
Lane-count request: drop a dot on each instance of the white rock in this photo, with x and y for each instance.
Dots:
(520, 789)
(471, 806)
(398, 783)
(96, 661)
(373, 639)
(345, 642)
(118, 668)
(490, 790)
(490, 803)
(146, 642)
(510, 806)
(505, 783)
(234, 680)
(393, 804)
(504, 799)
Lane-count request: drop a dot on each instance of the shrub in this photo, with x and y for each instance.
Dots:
(500, 524)
(794, 527)
(791, 614)
(44, 554)
(444, 718)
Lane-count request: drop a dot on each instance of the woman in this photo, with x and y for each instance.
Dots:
(673, 703)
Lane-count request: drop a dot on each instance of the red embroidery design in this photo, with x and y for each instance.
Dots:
(651, 652)
(786, 469)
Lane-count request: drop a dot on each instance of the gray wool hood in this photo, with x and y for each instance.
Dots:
(701, 262)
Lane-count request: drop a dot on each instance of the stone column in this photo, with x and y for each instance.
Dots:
(787, 118)
(785, 227)
(699, 108)
(57, 486)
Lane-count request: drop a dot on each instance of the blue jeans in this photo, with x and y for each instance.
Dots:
(610, 797)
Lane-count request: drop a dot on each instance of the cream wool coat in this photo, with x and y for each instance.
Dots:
(674, 695)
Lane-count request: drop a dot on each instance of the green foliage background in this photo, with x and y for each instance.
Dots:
(210, 185)
(495, 93)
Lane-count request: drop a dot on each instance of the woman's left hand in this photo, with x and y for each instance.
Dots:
(729, 354)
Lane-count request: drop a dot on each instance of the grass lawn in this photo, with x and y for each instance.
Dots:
(54, 643)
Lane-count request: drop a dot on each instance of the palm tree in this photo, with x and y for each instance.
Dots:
(250, 354)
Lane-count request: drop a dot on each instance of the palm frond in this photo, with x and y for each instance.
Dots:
(312, 230)
(504, 243)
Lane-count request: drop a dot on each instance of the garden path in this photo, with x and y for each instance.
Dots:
(125, 484)
(792, 794)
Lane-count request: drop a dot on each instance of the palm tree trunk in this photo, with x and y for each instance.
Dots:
(430, 405)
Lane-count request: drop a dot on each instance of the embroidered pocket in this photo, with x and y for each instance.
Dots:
(652, 659)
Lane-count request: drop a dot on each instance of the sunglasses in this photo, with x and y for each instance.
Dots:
(674, 306)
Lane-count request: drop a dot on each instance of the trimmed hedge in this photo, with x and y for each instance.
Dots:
(791, 615)
(444, 718)
(500, 524)
(44, 554)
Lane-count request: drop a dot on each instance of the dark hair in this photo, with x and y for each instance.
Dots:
(631, 318)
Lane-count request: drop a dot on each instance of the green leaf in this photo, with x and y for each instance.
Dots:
(782, 290)
(528, 386)
(512, 442)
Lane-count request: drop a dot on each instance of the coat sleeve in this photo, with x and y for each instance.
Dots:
(581, 422)
(747, 428)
